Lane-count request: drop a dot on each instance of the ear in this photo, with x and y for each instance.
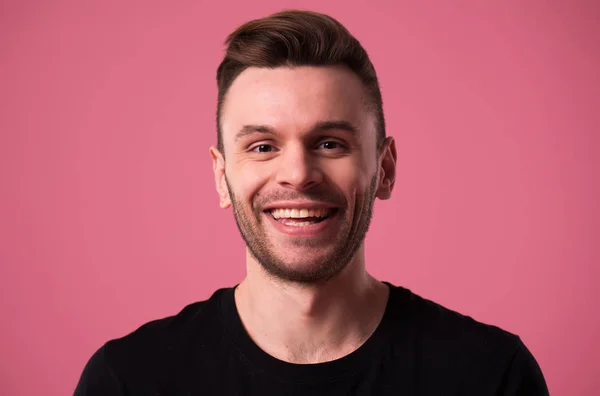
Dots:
(387, 168)
(221, 184)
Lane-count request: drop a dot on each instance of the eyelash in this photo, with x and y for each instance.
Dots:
(254, 149)
(339, 145)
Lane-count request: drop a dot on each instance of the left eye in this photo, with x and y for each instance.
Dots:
(330, 145)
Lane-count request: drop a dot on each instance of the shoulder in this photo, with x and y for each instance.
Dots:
(195, 321)
(449, 344)
(446, 327)
(156, 347)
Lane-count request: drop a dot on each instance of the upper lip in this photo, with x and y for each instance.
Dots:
(299, 205)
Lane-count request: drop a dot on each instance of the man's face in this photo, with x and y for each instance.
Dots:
(301, 168)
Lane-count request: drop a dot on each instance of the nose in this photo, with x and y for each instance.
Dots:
(298, 170)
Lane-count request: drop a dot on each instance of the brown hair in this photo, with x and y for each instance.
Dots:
(296, 38)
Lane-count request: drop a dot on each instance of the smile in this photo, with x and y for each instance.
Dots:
(300, 217)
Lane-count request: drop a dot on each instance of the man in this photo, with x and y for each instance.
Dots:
(302, 154)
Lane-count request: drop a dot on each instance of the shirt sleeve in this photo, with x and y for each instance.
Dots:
(524, 376)
(98, 378)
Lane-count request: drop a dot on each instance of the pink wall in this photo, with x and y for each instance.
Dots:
(108, 215)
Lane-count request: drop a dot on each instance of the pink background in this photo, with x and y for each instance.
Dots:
(109, 218)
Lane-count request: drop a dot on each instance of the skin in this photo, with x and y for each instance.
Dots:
(306, 298)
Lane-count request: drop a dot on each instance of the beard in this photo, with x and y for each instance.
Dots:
(350, 236)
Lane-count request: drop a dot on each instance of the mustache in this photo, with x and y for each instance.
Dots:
(325, 196)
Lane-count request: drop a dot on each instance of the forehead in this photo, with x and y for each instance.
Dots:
(294, 98)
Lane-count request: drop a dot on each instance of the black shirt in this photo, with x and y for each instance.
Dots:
(419, 348)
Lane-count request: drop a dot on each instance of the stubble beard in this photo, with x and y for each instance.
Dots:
(328, 266)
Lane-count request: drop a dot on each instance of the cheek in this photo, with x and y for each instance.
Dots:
(350, 176)
(246, 181)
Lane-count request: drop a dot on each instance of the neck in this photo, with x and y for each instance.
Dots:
(310, 323)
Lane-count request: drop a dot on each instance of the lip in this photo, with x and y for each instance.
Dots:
(299, 205)
(313, 230)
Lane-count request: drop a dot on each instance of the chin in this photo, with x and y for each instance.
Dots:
(311, 270)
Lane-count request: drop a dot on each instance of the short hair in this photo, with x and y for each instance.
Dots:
(296, 38)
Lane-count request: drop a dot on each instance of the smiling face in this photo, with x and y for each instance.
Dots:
(301, 167)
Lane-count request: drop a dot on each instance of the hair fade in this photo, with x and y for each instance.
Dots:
(296, 38)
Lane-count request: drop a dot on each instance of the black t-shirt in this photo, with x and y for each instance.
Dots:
(419, 348)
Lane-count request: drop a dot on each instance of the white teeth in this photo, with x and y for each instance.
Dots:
(301, 224)
(299, 213)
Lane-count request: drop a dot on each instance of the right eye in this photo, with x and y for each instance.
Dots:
(262, 148)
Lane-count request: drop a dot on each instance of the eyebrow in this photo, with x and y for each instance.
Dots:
(320, 126)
